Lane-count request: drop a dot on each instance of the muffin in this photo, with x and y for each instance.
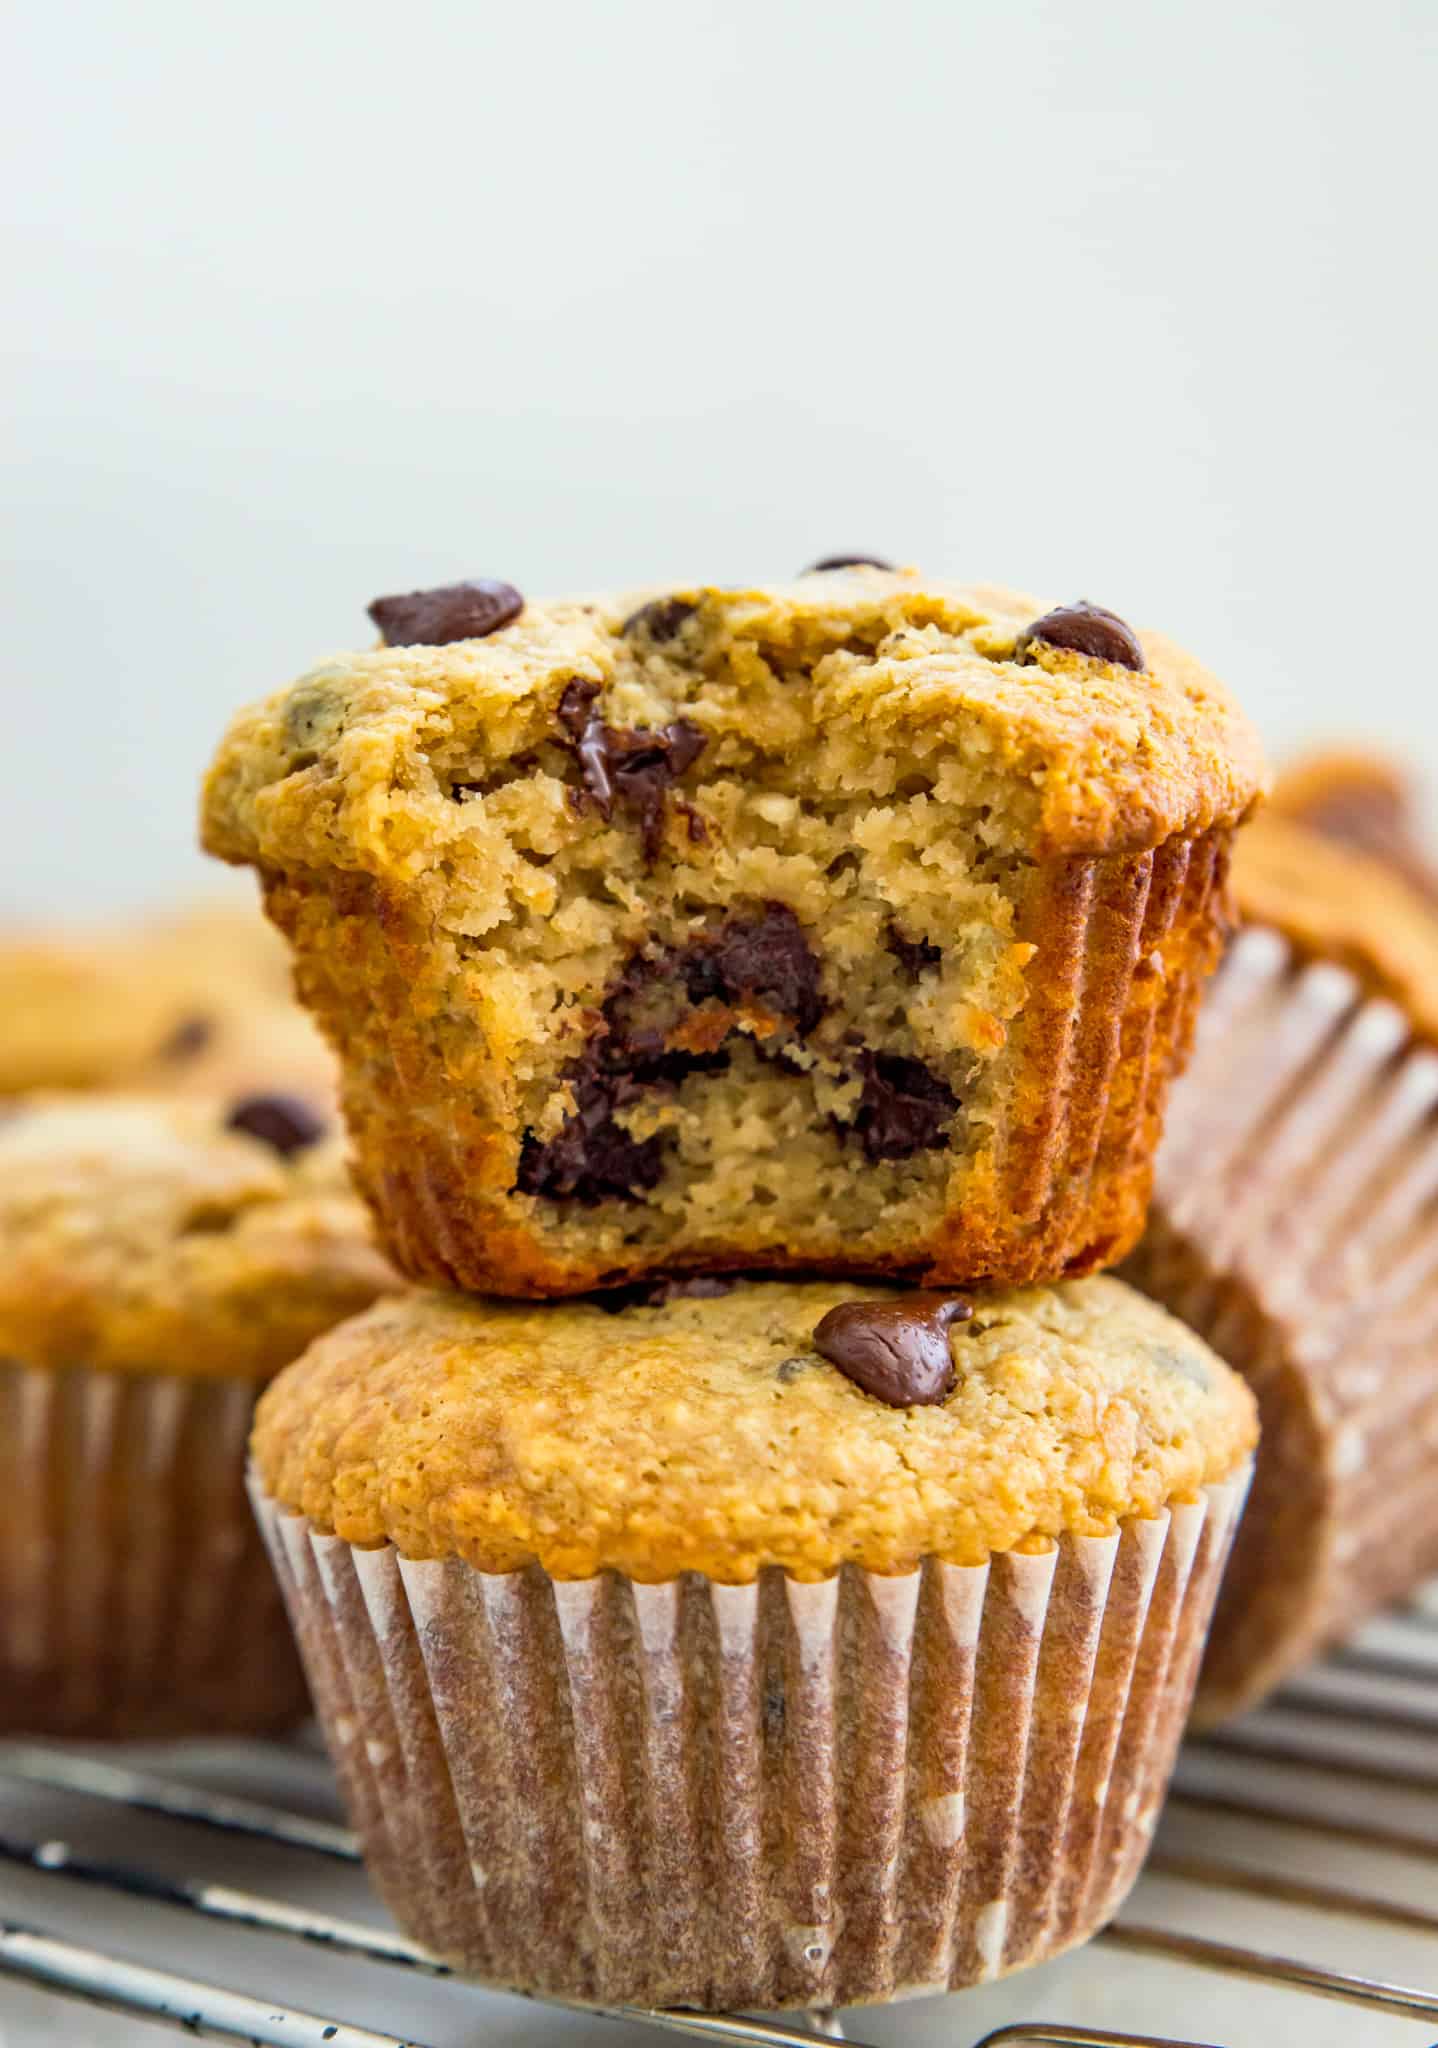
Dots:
(197, 1003)
(753, 1644)
(158, 1262)
(1365, 801)
(851, 926)
(1295, 1225)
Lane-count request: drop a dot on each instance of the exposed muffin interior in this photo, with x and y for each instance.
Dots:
(723, 901)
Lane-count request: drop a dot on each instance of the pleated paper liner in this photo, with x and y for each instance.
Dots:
(777, 1794)
(1295, 1227)
(136, 1599)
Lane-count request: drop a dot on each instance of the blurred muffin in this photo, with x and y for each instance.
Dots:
(1365, 801)
(158, 1262)
(753, 1644)
(199, 1002)
(852, 925)
(1295, 1225)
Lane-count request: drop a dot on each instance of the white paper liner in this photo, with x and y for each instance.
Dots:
(135, 1598)
(779, 1794)
(1295, 1226)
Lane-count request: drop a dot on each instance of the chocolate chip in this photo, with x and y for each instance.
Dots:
(847, 562)
(190, 1036)
(789, 1369)
(592, 1158)
(634, 768)
(454, 611)
(661, 619)
(915, 956)
(767, 956)
(283, 1122)
(904, 1107)
(1085, 628)
(897, 1350)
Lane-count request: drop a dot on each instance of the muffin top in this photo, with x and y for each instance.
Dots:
(1363, 800)
(1065, 731)
(707, 1432)
(145, 1234)
(137, 1006)
(1335, 903)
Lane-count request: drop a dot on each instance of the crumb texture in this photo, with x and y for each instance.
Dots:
(140, 1234)
(706, 1434)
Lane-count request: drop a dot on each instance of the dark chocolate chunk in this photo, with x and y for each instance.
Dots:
(661, 619)
(592, 1158)
(895, 1349)
(846, 562)
(768, 957)
(904, 1108)
(915, 956)
(286, 1123)
(190, 1036)
(1086, 629)
(454, 611)
(633, 768)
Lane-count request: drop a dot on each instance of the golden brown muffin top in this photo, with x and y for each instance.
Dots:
(142, 1234)
(1334, 903)
(709, 1435)
(853, 684)
(134, 1005)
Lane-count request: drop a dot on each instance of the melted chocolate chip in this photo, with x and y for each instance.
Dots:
(767, 957)
(915, 956)
(454, 611)
(285, 1123)
(656, 1293)
(763, 957)
(661, 619)
(1085, 629)
(633, 768)
(903, 1109)
(896, 1349)
(189, 1037)
(846, 562)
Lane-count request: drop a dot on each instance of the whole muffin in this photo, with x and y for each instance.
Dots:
(764, 1645)
(851, 926)
(158, 1262)
(197, 1003)
(1295, 1224)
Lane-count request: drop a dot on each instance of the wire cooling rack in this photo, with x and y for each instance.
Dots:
(1313, 1824)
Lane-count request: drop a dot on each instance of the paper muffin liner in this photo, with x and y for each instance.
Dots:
(1295, 1227)
(136, 1598)
(1123, 945)
(775, 1794)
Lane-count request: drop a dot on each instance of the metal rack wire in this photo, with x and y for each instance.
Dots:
(1326, 1765)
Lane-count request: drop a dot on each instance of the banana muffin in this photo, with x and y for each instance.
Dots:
(851, 926)
(158, 1262)
(1295, 1225)
(198, 1002)
(753, 1643)
(1365, 801)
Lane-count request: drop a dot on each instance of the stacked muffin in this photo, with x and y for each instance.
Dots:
(822, 1634)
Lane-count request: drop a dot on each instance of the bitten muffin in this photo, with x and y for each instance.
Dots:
(855, 925)
(753, 1644)
(158, 1262)
(1295, 1224)
(197, 1003)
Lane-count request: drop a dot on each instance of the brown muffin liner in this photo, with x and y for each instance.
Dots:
(1123, 946)
(777, 1794)
(1295, 1227)
(136, 1599)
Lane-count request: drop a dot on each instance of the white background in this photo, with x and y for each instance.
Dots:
(312, 303)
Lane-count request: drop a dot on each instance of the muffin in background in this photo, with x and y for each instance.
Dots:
(1366, 801)
(854, 925)
(159, 1261)
(758, 1643)
(1295, 1226)
(198, 1002)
